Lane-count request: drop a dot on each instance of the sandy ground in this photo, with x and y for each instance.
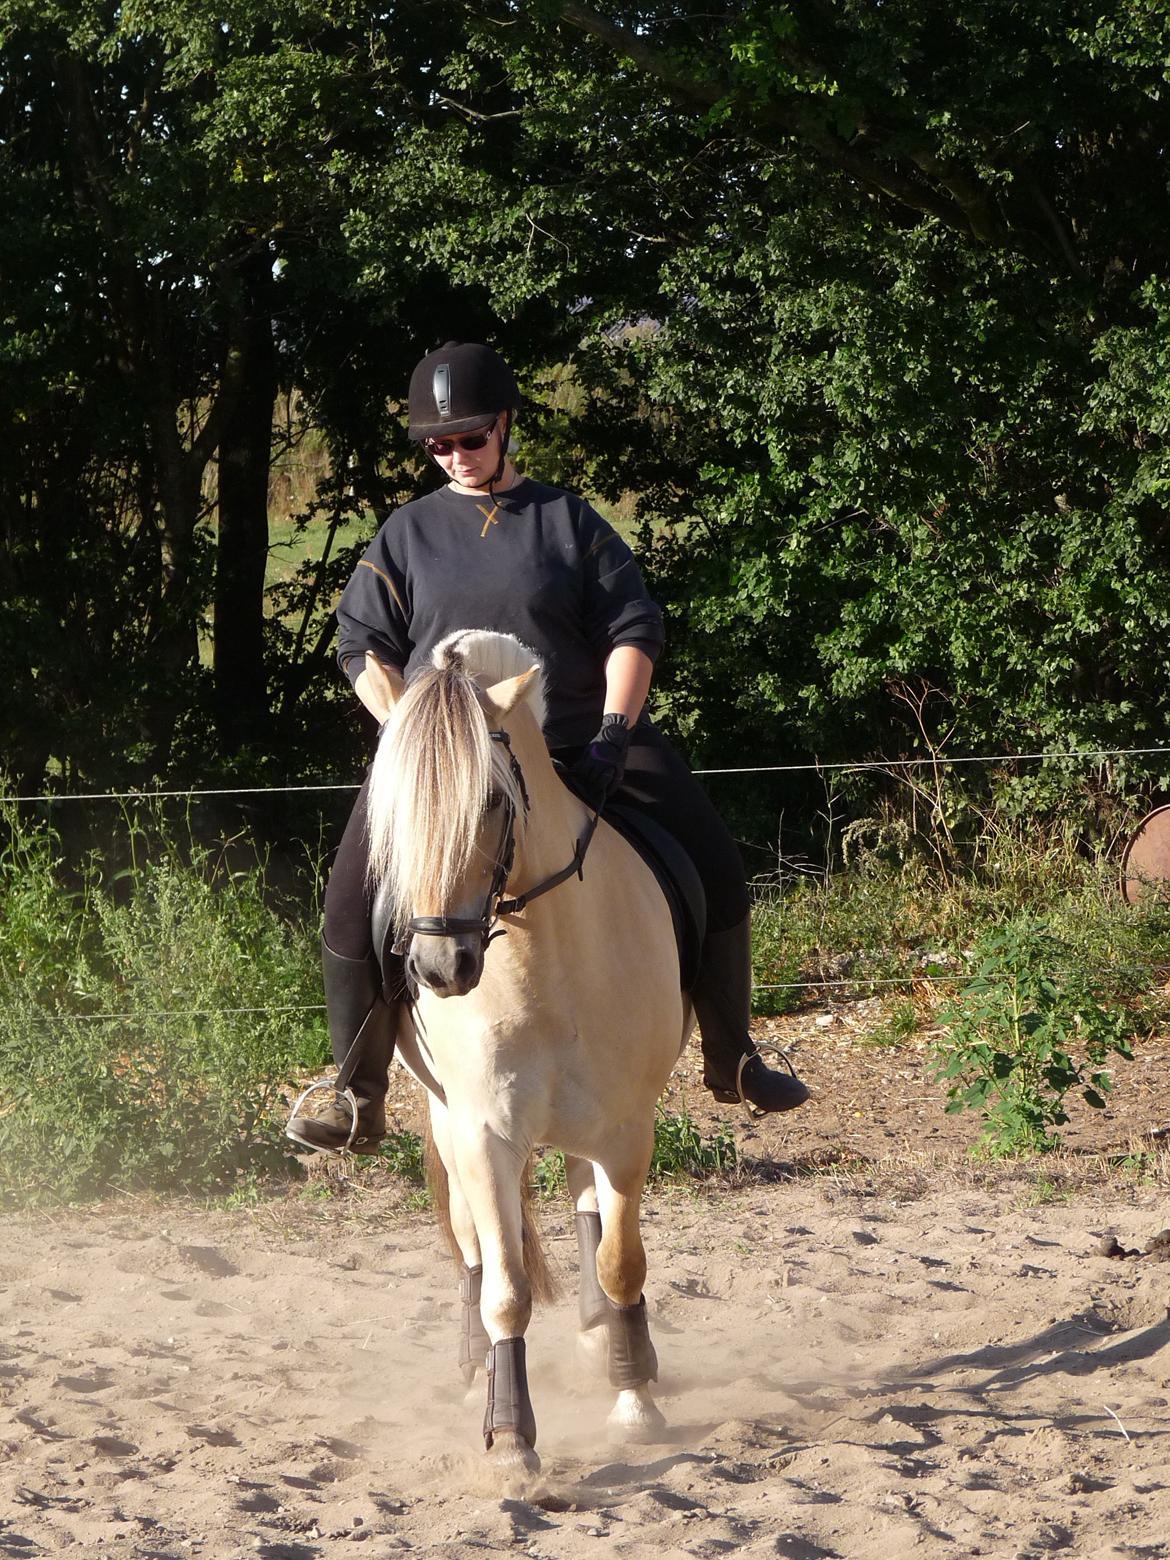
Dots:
(843, 1374)
(897, 1356)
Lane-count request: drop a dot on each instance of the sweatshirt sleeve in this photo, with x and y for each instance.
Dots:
(618, 610)
(373, 613)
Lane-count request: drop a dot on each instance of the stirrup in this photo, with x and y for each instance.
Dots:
(754, 1111)
(345, 1094)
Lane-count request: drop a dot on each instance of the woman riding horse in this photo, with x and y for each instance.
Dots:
(499, 551)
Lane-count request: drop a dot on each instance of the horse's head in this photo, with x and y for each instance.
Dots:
(447, 802)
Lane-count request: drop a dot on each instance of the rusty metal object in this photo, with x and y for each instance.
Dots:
(1146, 862)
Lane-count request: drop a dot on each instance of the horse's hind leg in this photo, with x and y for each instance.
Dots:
(621, 1268)
(454, 1214)
(474, 1344)
(592, 1303)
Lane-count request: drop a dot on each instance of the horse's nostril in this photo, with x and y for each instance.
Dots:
(424, 976)
(464, 965)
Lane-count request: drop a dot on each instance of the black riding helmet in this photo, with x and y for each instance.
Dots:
(461, 386)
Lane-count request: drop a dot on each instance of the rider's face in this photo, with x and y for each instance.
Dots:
(472, 468)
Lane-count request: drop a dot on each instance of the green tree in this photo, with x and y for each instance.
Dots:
(864, 306)
(901, 274)
(187, 185)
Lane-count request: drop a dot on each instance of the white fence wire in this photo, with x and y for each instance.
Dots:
(839, 982)
(938, 761)
(815, 767)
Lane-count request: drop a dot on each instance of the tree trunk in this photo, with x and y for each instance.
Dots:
(245, 451)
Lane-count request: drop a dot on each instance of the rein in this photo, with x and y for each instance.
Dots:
(496, 905)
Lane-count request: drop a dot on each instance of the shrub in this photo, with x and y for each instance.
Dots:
(681, 1150)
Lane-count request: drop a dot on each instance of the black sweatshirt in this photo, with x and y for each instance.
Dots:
(542, 565)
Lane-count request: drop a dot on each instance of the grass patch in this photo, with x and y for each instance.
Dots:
(402, 1154)
(148, 1025)
(149, 1020)
(298, 540)
(899, 1026)
(548, 1173)
(681, 1152)
(900, 926)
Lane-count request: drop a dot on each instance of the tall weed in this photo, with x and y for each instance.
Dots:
(1022, 1033)
(147, 1025)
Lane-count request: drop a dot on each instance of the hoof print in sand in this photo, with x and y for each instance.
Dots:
(112, 1446)
(208, 1260)
(210, 1436)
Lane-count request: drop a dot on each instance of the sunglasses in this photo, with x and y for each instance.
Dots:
(465, 441)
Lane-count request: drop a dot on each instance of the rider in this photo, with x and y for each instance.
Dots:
(493, 549)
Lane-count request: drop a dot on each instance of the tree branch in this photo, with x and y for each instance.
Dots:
(970, 195)
(476, 116)
(961, 203)
(643, 55)
(1056, 226)
(791, 120)
(231, 380)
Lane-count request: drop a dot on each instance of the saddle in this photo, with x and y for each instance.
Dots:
(672, 867)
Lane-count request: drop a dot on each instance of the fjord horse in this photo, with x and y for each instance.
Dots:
(562, 1032)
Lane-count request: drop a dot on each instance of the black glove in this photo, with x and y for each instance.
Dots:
(598, 772)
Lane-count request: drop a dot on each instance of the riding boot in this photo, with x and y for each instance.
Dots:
(732, 1068)
(362, 1024)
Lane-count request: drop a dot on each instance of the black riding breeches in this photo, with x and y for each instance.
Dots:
(657, 782)
(348, 901)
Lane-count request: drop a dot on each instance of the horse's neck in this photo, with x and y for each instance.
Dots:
(556, 819)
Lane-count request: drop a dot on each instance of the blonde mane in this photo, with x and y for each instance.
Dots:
(436, 770)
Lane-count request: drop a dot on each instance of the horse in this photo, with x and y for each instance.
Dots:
(547, 1009)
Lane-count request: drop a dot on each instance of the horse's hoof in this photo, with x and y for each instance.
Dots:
(511, 1453)
(636, 1420)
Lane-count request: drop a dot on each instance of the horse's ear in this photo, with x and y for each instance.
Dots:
(505, 696)
(385, 682)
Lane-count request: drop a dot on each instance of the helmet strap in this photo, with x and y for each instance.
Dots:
(503, 460)
(499, 471)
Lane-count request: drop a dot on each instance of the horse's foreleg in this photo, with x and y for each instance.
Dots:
(456, 1217)
(592, 1304)
(621, 1269)
(489, 1172)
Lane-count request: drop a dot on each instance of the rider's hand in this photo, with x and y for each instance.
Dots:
(599, 770)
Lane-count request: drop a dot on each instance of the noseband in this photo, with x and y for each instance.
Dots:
(496, 905)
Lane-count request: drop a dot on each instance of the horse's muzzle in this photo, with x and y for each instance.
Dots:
(448, 966)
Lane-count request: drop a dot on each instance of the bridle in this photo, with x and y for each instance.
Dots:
(496, 904)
